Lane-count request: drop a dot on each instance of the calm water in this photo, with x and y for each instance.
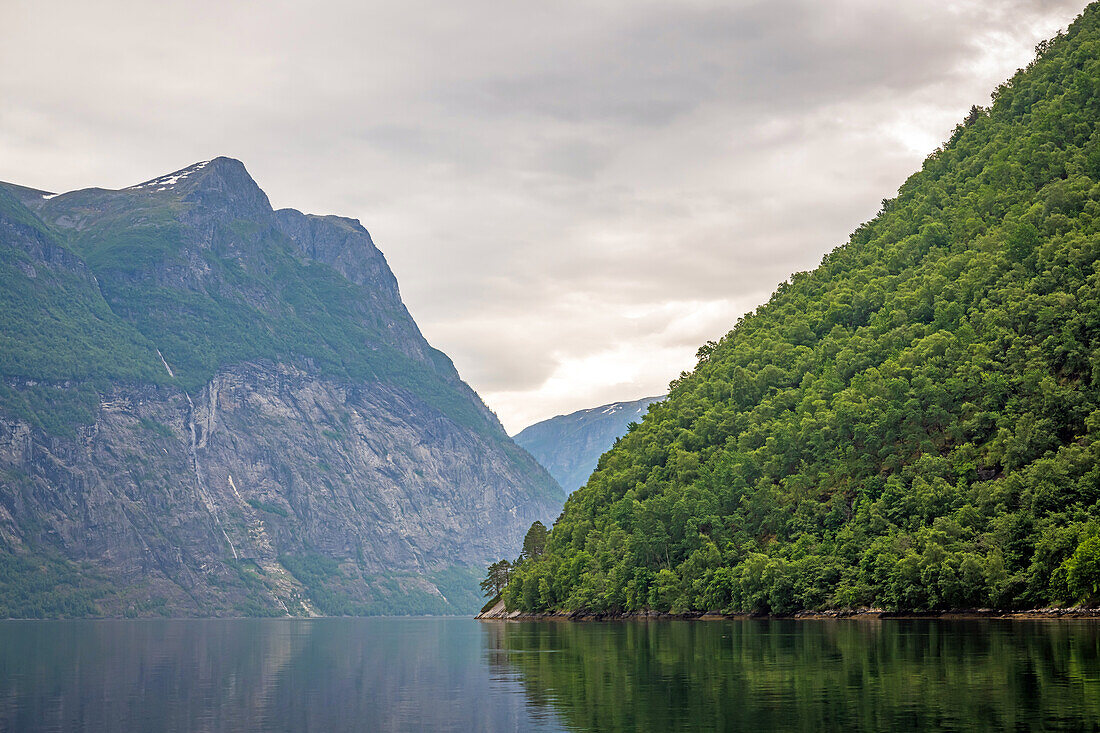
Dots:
(459, 675)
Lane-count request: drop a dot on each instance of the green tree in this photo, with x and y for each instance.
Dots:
(534, 542)
(496, 577)
(1083, 570)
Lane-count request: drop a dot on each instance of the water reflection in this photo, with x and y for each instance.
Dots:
(803, 675)
(459, 675)
(263, 675)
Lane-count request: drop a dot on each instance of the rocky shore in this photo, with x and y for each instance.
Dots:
(499, 613)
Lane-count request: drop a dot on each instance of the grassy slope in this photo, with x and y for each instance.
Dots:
(55, 326)
(268, 305)
(913, 425)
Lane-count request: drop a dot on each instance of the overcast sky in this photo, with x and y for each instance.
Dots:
(574, 195)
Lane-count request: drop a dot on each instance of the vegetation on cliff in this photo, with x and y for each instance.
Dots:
(913, 425)
(208, 407)
(202, 270)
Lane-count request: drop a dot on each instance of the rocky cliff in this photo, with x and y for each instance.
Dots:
(209, 407)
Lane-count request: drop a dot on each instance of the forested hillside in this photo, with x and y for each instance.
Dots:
(912, 425)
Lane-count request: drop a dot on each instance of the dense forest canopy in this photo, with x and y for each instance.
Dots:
(913, 425)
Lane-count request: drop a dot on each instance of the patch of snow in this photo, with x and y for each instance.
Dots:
(171, 179)
(48, 196)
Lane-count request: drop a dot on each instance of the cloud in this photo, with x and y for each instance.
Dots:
(574, 196)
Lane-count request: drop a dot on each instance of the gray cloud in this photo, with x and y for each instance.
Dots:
(573, 195)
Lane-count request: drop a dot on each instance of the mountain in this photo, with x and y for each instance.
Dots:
(208, 407)
(913, 425)
(570, 445)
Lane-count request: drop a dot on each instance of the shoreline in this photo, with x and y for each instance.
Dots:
(498, 613)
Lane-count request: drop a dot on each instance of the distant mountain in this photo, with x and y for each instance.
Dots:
(208, 407)
(569, 446)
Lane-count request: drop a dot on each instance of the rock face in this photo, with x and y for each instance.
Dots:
(212, 408)
(496, 612)
(569, 446)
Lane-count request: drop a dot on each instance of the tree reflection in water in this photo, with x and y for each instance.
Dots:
(807, 675)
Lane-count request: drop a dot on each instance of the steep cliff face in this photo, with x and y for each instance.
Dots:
(570, 446)
(209, 407)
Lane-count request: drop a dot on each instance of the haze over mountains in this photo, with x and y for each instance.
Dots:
(210, 407)
(569, 446)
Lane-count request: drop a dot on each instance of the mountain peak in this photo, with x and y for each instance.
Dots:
(255, 351)
(220, 170)
(219, 184)
(170, 180)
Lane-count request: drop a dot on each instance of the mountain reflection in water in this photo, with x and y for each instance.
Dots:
(325, 675)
